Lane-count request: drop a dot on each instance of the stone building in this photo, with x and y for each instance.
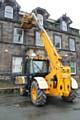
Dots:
(14, 41)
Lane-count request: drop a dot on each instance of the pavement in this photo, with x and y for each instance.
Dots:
(15, 107)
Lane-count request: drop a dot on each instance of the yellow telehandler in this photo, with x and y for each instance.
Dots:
(45, 76)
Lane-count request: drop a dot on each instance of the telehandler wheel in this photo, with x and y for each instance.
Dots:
(71, 97)
(38, 96)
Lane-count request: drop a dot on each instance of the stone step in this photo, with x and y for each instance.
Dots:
(9, 90)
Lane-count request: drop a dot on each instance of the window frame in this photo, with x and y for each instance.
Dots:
(74, 44)
(15, 56)
(9, 12)
(74, 67)
(41, 43)
(22, 36)
(55, 40)
(40, 19)
(63, 27)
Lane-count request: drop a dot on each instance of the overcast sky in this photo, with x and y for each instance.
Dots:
(56, 8)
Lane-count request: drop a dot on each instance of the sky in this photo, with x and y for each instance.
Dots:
(56, 8)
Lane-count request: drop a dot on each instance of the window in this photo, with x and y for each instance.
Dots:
(39, 66)
(38, 41)
(72, 44)
(64, 26)
(57, 39)
(2, 1)
(18, 35)
(40, 18)
(73, 67)
(17, 65)
(8, 12)
(78, 64)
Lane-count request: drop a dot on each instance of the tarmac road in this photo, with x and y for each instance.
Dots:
(20, 108)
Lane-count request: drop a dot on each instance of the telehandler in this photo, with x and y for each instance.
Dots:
(45, 76)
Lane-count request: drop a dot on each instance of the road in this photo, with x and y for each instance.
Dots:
(20, 108)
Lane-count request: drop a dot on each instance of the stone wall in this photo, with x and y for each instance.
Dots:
(9, 49)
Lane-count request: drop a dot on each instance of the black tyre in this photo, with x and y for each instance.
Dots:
(38, 96)
(71, 97)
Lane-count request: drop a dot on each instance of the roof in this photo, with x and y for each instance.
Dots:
(65, 18)
(42, 11)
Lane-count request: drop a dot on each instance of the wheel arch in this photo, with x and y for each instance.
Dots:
(41, 82)
(74, 83)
